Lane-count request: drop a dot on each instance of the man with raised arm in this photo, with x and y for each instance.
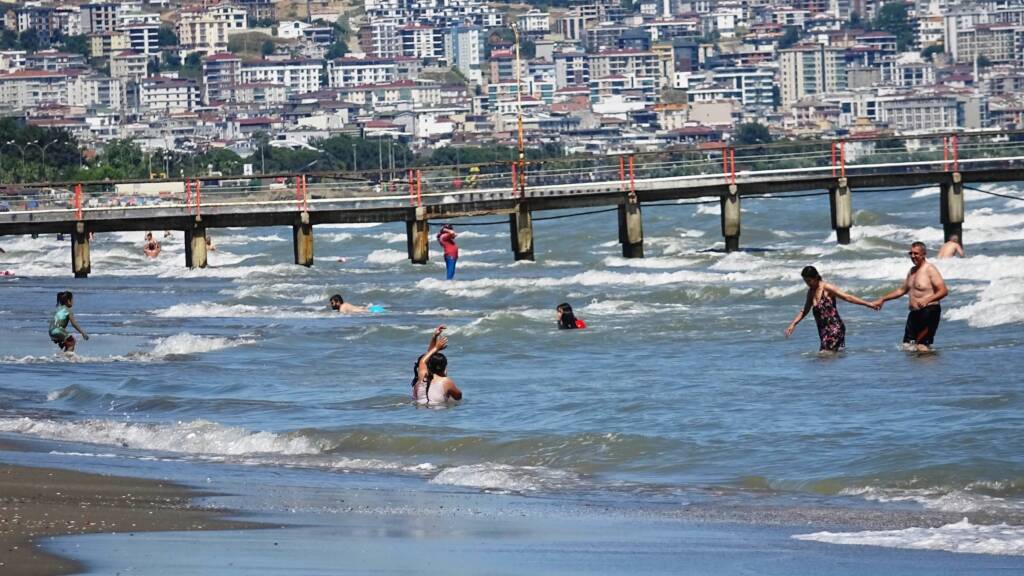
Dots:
(926, 288)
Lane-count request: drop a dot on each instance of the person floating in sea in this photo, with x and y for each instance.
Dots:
(446, 237)
(566, 319)
(951, 248)
(927, 289)
(338, 304)
(431, 385)
(821, 301)
(151, 247)
(59, 323)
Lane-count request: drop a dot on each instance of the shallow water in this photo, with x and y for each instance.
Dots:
(682, 381)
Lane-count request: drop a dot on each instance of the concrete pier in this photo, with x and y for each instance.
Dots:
(951, 207)
(840, 201)
(731, 219)
(631, 230)
(302, 240)
(520, 224)
(195, 245)
(81, 264)
(417, 234)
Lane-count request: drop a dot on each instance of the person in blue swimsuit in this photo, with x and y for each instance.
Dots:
(59, 323)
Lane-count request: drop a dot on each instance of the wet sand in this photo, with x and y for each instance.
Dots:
(38, 503)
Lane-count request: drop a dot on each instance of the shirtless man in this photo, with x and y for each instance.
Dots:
(951, 248)
(338, 304)
(926, 288)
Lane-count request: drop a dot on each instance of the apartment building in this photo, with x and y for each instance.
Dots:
(810, 69)
(629, 63)
(167, 95)
(26, 89)
(95, 91)
(463, 50)
(221, 72)
(129, 65)
(99, 17)
(298, 76)
(207, 30)
(346, 72)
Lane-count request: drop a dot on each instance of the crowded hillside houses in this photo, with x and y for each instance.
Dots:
(598, 76)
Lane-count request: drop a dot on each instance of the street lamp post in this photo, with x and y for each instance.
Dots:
(355, 165)
(20, 149)
(519, 114)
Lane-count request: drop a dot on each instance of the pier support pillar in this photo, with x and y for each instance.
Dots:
(951, 207)
(631, 230)
(520, 225)
(731, 219)
(840, 201)
(195, 244)
(302, 240)
(417, 233)
(81, 264)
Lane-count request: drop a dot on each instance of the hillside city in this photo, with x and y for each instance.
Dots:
(257, 81)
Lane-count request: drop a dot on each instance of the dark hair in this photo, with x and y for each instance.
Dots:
(64, 298)
(336, 298)
(445, 228)
(921, 246)
(810, 272)
(436, 364)
(568, 319)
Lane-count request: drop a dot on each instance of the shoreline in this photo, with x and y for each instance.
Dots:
(38, 503)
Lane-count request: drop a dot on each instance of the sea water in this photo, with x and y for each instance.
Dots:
(683, 382)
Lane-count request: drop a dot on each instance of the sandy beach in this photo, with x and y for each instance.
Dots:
(38, 503)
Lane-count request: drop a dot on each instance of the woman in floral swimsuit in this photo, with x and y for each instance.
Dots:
(821, 300)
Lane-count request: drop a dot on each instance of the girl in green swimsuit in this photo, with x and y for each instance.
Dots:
(59, 323)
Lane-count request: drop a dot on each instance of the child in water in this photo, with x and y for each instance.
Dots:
(431, 385)
(566, 319)
(59, 323)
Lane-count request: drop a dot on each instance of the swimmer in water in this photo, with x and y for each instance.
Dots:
(566, 319)
(151, 247)
(431, 385)
(59, 323)
(951, 248)
(338, 304)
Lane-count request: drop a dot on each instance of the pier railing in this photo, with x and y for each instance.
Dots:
(693, 166)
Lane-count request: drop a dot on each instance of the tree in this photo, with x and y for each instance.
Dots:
(78, 45)
(984, 61)
(166, 36)
(29, 40)
(752, 133)
(892, 18)
(930, 51)
(267, 48)
(791, 37)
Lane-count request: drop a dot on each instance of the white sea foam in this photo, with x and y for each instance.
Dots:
(783, 291)
(503, 477)
(185, 343)
(386, 256)
(960, 537)
(627, 308)
(709, 209)
(1002, 302)
(199, 437)
(588, 278)
(214, 310)
(390, 237)
(657, 262)
(960, 501)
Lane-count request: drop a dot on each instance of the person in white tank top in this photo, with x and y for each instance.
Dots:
(431, 385)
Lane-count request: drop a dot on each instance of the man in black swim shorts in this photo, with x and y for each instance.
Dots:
(926, 288)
